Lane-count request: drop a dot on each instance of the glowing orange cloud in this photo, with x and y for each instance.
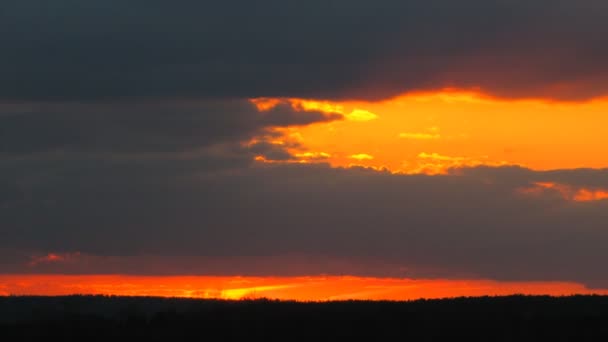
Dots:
(567, 192)
(362, 156)
(585, 195)
(264, 104)
(313, 155)
(53, 258)
(317, 288)
(479, 129)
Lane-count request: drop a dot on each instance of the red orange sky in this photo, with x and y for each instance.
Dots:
(315, 288)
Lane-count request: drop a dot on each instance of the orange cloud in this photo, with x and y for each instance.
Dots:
(361, 115)
(362, 156)
(567, 192)
(265, 104)
(53, 258)
(586, 195)
(313, 155)
(437, 156)
(435, 163)
(356, 114)
(322, 106)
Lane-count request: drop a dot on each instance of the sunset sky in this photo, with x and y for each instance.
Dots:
(310, 150)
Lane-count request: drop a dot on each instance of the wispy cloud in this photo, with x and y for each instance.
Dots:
(567, 192)
(361, 115)
(361, 156)
(52, 258)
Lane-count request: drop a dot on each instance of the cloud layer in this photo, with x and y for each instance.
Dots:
(477, 222)
(319, 49)
(140, 126)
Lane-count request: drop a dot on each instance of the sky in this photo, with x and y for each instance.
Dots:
(313, 150)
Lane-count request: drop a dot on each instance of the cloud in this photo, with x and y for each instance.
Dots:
(471, 222)
(437, 156)
(313, 155)
(239, 49)
(362, 156)
(270, 151)
(435, 163)
(361, 115)
(568, 192)
(141, 126)
(51, 258)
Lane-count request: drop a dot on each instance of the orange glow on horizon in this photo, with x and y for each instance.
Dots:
(314, 288)
(465, 128)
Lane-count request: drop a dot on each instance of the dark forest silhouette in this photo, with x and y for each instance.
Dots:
(510, 318)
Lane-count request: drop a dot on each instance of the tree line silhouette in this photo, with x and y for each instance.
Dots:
(510, 318)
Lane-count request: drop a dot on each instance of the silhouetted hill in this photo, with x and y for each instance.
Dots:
(98, 318)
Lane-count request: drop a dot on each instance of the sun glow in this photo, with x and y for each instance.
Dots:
(469, 126)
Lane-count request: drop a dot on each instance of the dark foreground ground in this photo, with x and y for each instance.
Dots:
(101, 318)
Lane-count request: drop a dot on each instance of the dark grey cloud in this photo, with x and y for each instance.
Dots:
(271, 151)
(70, 50)
(140, 127)
(472, 223)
